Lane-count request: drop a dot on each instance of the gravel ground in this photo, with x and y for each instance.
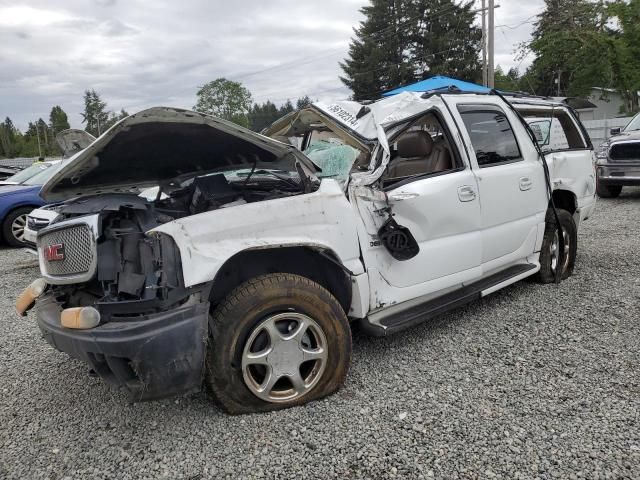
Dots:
(532, 382)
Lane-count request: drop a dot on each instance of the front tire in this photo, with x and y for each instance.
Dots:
(276, 341)
(549, 253)
(14, 225)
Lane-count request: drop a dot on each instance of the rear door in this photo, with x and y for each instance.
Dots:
(568, 152)
(511, 182)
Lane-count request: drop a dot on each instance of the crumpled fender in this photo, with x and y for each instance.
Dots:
(322, 219)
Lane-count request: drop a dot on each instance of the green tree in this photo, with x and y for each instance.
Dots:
(625, 47)
(95, 114)
(8, 144)
(508, 82)
(303, 102)
(572, 48)
(262, 115)
(225, 99)
(287, 107)
(115, 118)
(402, 41)
(58, 120)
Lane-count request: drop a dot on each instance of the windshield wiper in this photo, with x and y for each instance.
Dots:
(273, 173)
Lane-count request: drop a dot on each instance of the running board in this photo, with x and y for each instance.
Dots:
(387, 325)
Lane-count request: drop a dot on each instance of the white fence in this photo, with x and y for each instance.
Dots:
(599, 129)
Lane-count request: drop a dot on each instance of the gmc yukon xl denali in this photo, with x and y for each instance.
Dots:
(245, 270)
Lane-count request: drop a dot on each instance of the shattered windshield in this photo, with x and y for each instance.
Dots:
(335, 152)
(334, 158)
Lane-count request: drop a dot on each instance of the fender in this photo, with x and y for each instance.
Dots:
(323, 219)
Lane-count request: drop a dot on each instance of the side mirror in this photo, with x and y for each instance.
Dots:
(615, 131)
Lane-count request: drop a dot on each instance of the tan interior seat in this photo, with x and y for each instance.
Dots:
(418, 154)
(442, 156)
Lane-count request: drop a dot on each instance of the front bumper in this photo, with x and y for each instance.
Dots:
(152, 356)
(618, 174)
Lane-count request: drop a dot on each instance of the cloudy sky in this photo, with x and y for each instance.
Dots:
(142, 53)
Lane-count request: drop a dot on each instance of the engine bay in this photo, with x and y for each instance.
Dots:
(133, 266)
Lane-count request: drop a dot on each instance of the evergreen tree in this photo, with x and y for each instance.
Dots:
(58, 120)
(287, 107)
(507, 82)
(303, 102)
(115, 118)
(446, 40)
(8, 135)
(379, 58)
(95, 114)
(262, 115)
(402, 41)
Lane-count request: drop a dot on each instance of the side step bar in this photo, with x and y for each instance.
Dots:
(419, 313)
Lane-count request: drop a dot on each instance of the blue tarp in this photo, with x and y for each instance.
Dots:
(436, 83)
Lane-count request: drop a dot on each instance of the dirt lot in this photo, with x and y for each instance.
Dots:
(532, 382)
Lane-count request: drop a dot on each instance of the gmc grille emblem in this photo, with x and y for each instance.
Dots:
(54, 253)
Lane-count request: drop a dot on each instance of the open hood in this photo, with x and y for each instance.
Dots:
(72, 140)
(161, 144)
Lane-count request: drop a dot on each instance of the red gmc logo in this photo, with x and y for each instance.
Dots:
(54, 253)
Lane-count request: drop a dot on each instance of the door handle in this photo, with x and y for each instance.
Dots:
(400, 196)
(466, 193)
(525, 183)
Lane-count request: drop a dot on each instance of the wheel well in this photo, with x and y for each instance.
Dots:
(565, 200)
(303, 261)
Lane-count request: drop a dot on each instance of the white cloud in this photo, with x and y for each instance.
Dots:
(139, 54)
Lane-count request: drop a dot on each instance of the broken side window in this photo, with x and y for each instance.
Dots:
(554, 128)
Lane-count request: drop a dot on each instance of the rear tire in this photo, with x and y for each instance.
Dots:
(276, 341)
(13, 226)
(608, 191)
(549, 251)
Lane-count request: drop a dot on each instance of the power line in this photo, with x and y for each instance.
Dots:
(326, 53)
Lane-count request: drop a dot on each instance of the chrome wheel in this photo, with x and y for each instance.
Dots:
(284, 357)
(17, 227)
(555, 250)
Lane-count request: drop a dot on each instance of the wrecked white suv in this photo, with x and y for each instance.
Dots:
(246, 270)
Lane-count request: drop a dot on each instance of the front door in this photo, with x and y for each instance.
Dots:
(440, 206)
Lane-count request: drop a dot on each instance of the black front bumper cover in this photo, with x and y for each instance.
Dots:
(152, 356)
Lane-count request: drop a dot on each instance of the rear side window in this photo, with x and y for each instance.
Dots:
(554, 129)
(491, 135)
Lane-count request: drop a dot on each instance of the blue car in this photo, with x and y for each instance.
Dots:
(16, 201)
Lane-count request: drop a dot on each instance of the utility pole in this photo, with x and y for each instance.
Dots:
(490, 34)
(484, 43)
(38, 135)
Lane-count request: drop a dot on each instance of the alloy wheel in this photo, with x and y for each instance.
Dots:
(555, 251)
(284, 357)
(18, 226)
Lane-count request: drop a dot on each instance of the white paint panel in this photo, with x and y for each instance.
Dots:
(321, 219)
